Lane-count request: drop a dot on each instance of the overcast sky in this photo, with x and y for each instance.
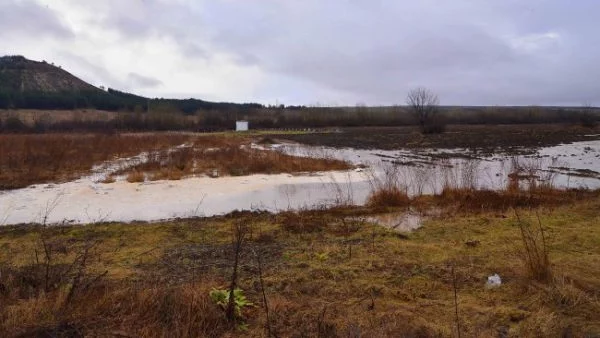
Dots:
(331, 52)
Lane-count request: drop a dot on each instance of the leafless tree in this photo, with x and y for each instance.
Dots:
(587, 117)
(423, 104)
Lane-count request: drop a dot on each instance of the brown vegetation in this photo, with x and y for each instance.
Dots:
(136, 177)
(387, 189)
(460, 193)
(33, 159)
(229, 160)
(388, 197)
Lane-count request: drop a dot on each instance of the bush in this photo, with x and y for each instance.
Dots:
(388, 197)
(535, 251)
(136, 177)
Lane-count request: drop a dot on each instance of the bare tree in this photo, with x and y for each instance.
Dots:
(423, 104)
(587, 117)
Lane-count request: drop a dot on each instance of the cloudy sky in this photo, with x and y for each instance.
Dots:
(333, 52)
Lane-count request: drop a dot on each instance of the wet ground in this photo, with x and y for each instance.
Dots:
(420, 171)
(487, 139)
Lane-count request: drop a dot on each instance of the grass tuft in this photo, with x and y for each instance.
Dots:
(136, 177)
(388, 197)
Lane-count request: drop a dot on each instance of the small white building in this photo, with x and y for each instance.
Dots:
(241, 125)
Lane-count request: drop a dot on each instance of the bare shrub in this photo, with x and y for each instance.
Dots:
(343, 192)
(535, 251)
(423, 104)
(136, 177)
(388, 197)
(386, 189)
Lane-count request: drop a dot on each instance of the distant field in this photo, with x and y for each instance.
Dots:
(29, 116)
(164, 118)
(485, 138)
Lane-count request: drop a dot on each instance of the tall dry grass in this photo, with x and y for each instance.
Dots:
(387, 189)
(457, 187)
(33, 159)
(110, 308)
(535, 249)
(229, 159)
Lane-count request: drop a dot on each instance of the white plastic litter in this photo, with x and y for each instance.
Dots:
(493, 281)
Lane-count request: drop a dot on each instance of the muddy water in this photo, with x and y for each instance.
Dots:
(84, 201)
(574, 165)
(88, 201)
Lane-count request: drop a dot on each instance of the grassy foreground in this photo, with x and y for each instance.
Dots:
(324, 273)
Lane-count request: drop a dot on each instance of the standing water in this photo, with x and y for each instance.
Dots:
(422, 172)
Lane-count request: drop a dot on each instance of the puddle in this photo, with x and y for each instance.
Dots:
(405, 222)
(84, 201)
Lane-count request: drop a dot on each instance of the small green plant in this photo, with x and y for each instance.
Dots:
(322, 256)
(221, 298)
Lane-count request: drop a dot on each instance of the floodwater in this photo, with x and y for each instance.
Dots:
(87, 201)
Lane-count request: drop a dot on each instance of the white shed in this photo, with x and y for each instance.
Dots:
(241, 125)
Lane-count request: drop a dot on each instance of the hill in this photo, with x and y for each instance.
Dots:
(22, 75)
(28, 84)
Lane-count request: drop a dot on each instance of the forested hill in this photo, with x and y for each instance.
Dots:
(27, 84)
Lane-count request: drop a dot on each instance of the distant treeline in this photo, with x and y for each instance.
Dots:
(162, 116)
(110, 100)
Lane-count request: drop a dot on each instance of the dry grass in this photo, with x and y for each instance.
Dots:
(33, 159)
(113, 309)
(319, 280)
(108, 179)
(387, 189)
(136, 177)
(392, 197)
(229, 160)
(472, 200)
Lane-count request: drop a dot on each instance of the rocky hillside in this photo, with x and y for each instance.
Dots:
(18, 74)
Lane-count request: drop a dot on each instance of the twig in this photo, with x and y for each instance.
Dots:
(262, 288)
(455, 301)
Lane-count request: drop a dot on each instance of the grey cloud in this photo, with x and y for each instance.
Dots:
(462, 49)
(27, 18)
(86, 69)
(138, 80)
(470, 52)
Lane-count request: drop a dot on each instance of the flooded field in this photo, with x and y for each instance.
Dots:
(420, 171)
